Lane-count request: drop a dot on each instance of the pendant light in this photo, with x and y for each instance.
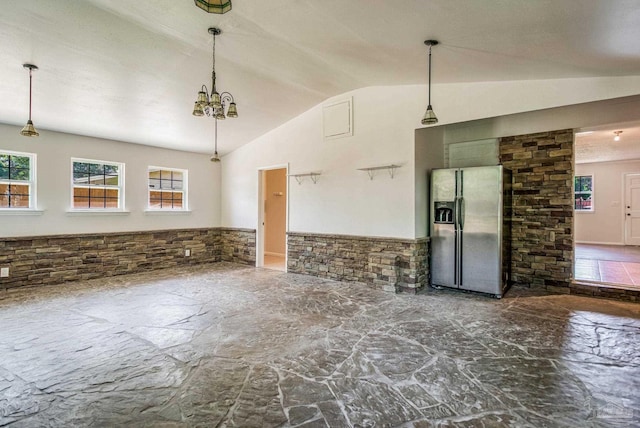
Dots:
(429, 116)
(29, 130)
(215, 157)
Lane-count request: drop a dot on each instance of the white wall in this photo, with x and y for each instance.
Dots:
(605, 225)
(54, 151)
(345, 201)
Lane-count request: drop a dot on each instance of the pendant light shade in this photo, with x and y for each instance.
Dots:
(214, 6)
(429, 116)
(29, 130)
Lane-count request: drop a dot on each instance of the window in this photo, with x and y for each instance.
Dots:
(583, 191)
(97, 185)
(167, 188)
(17, 180)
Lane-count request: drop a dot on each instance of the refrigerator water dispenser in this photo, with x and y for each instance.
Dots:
(444, 212)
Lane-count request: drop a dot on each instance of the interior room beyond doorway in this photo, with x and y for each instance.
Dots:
(607, 227)
(275, 218)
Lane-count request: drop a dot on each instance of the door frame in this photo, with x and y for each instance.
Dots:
(626, 195)
(261, 215)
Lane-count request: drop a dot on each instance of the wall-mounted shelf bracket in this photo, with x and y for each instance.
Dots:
(300, 177)
(391, 168)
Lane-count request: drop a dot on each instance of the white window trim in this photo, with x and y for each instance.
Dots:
(184, 191)
(120, 187)
(593, 191)
(32, 183)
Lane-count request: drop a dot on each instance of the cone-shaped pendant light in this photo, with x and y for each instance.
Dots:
(29, 130)
(429, 116)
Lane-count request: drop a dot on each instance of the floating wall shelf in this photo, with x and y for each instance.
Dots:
(300, 177)
(391, 168)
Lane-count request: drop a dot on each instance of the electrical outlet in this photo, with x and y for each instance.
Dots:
(4, 272)
(187, 253)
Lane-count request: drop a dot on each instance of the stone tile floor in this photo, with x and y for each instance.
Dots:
(612, 264)
(233, 346)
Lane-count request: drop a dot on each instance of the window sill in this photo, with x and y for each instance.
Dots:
(167, 212)
(10, 211)
(96, 212)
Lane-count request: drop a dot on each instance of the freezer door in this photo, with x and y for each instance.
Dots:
(443, 236)
(481, 226)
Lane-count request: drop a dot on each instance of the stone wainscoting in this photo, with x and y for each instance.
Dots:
(542, 216)
(43, 260)
(392, 264)
(238, 245)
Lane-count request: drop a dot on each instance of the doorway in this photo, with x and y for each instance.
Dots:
(632, 208)
(607, 205)
(272, 218)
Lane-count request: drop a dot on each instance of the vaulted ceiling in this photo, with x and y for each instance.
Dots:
(130, 70)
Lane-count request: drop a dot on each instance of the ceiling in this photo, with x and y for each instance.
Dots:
(598, 145)
(130, 70)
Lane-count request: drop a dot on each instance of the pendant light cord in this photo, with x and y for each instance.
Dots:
(429, 75)
(215, 139)
(213, 72)
(30, 91)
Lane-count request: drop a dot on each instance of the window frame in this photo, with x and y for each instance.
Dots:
(184, 190)
(120, 187)
(591, 193)
(31, 183)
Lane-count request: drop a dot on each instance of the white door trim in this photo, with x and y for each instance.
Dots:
(630, 212)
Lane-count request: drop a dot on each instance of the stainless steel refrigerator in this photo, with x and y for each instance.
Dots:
(470, 228)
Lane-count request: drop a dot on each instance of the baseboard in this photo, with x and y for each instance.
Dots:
(599, 243)
(269, 253)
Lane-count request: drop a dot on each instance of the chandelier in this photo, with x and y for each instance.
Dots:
(214, 104)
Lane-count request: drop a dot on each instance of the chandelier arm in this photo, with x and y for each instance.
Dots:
(226, 96)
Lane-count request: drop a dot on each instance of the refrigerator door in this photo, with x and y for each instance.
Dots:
(481, 227)
(443, 234)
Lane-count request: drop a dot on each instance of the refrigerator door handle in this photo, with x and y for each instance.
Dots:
(460, 210)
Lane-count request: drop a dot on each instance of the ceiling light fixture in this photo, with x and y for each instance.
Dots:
(214, 6)
(214, 104)
(617, 137)
(29, 130)
(215, 157)
(429, 116)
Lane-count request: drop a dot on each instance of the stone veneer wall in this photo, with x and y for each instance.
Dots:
(238, 245)
(388, 263)
(542, 216)
(44, 260)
